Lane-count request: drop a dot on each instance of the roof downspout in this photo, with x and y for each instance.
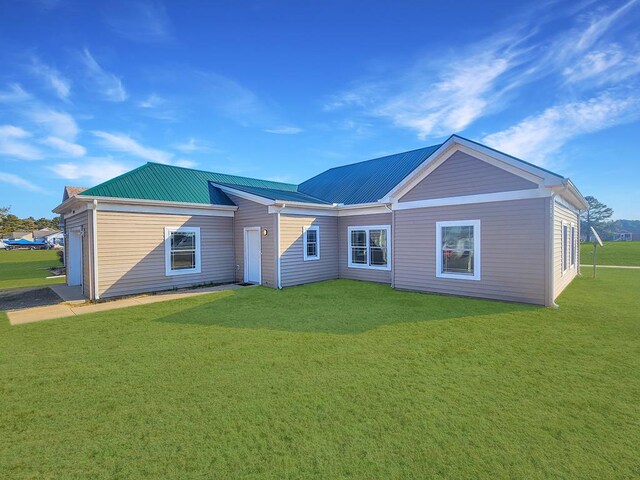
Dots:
(94, 235)
(278, 267)
(551, 237)
(393, 244)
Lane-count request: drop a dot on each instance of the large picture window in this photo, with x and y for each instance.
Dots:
(311, 243)
(565, 244)
(370, 247)
(182, 250)
(458, 249)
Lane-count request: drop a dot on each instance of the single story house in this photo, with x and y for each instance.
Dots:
(456, 218)
(49, 235)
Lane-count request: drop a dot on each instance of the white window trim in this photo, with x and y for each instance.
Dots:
(573, 249)
(368, 228)
(167, 251)
(564, 266)
(308, 258)
(476, 249)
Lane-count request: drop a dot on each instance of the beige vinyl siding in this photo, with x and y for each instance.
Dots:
(461, 174)
(294, 270)
(82, 220)
(380, 276)
(251, 214)
(562, 279)
(131, 252)
(513, 255)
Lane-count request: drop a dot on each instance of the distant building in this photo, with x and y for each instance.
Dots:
(623, 236)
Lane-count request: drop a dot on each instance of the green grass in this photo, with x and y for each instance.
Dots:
(613, 253)
(335, 380)
(27, 268)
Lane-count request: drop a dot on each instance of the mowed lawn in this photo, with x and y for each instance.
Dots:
(334, 380)
(613, 253)
(27, 268)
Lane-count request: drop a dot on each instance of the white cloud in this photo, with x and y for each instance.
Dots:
(12, 143)
(54, 79)
(182, 162)
(284, 130)
(15, 93)
(191, 146)
(143, 21)
(60, 124)
(599, 26)
(18, 181)
(110, 86)
(123, 143)
(537, 137)
(152, 101)
(68, 148)
(609, 65)
(92, 170)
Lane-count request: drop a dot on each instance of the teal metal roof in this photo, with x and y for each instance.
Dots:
(366, 181)
(276, 194)
(155, 181)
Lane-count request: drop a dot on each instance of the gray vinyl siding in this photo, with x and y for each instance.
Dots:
(513, 256)
(131, 252)
(83, 221)
(379, 276)
(461, 174)
(251, 214)
(294, 270)
(562, 279)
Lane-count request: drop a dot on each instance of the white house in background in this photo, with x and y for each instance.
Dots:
(455, 218)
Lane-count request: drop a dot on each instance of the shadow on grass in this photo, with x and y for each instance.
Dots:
(334, 306)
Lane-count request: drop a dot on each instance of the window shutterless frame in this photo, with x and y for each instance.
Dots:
(573, 248)
(168, 233)
(475, 224)
(367, 247)
(309, 244)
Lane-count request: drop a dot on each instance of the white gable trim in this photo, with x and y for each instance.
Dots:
(480, 198)
(455, 144)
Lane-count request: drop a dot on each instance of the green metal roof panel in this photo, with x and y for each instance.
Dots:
(366, 181)
(154, 181)
(277, 194)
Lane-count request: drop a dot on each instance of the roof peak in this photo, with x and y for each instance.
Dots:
(384, 156)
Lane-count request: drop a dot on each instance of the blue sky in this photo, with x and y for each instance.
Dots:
(285, 90)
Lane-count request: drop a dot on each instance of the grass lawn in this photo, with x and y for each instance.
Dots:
(333, 380)
(27, 268)
(613, 253)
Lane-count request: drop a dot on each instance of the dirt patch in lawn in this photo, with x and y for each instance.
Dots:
(27, 297)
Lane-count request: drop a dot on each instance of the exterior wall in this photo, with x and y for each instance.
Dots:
(82, 220)
(344, 271)
(562, 279)
(251, 214)
(131, 252)
(461, 174)
(513, 250)
(294, 270)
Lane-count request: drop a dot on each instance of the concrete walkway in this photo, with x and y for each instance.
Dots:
(610, 266)
(69, 309)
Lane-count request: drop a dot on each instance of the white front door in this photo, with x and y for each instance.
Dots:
(74, 259)
(252, 268)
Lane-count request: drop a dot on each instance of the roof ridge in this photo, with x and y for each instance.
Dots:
(380, 158)
(111, 180)
(219, 173)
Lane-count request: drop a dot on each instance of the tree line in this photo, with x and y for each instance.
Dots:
(12, 223)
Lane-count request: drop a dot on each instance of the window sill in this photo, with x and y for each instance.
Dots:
(368, 267)
(454, 276)
(173, 273)
(311, 259)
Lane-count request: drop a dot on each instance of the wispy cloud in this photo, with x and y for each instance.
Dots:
(152, 101)
(192, 145)
(109, 85)
(60, 124)
(13, 144)
(438, 95)
(120, 142)
(52, 77)
(68, 148)
(142, 21)
(15, 93)
(20, 182)
(92, 170)
(539, 136)
(284, 130)
(183, 162)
